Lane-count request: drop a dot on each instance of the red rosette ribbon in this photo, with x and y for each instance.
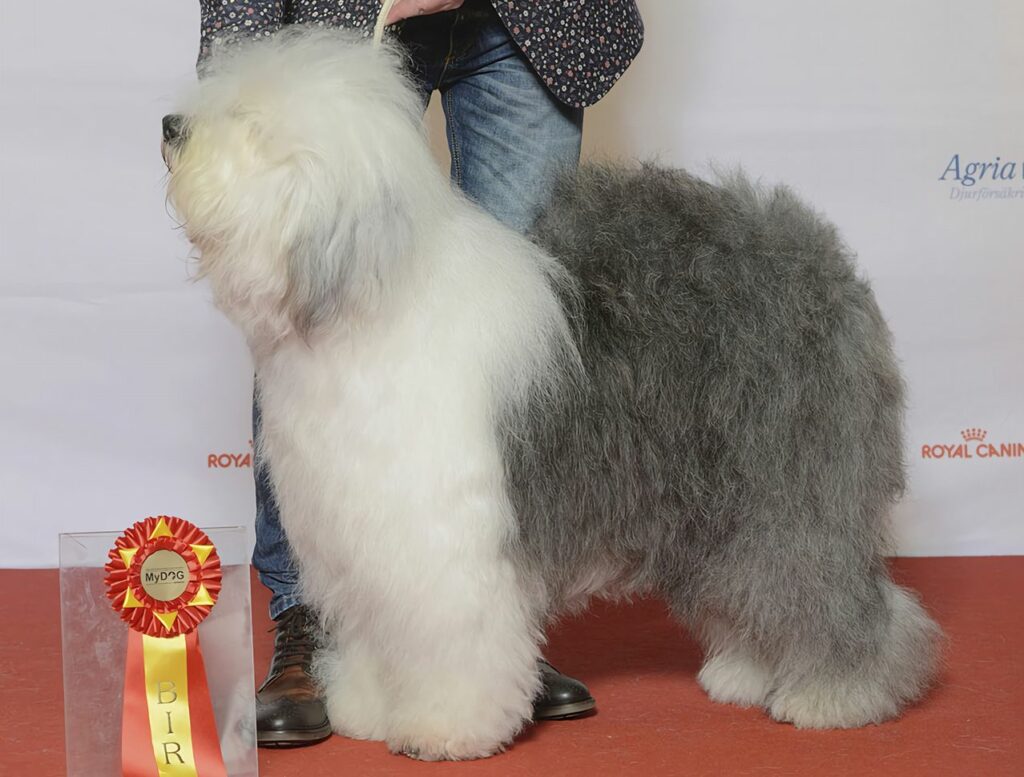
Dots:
(163, 578)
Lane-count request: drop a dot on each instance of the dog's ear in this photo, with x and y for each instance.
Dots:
(344, 260)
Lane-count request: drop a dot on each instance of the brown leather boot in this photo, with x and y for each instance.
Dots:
(289, 709)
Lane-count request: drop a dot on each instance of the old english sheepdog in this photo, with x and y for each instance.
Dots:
(677, 388)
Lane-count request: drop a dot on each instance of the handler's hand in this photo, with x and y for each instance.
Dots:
(403, 9)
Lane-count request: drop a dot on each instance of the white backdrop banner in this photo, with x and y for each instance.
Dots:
(125, 394)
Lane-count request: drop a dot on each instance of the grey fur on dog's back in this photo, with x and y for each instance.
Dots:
(736, 367)
(736, 443)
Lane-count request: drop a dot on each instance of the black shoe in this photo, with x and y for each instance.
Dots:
(289, 709)
(561, 697)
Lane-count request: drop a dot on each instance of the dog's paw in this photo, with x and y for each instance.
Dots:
(840, 705)
(731, 677)
(445, 750)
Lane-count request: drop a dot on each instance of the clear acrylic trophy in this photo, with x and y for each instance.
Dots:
(94, 641)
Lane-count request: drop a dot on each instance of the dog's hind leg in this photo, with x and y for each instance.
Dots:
(798, 568)
(732, 672)
(860, 665)
(846, 647)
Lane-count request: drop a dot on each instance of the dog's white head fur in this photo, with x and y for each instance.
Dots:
(301, 175)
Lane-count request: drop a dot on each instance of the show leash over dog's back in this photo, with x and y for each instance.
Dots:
(382, 18)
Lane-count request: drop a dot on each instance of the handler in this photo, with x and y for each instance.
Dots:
(514, 77)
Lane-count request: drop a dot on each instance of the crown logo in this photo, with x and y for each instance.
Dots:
(973, 433)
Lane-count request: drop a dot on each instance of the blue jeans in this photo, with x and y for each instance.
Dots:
(508, 137)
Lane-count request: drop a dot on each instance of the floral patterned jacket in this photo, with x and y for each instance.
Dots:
(579, 48)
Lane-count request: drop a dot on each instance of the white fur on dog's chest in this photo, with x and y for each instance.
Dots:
(381, 445)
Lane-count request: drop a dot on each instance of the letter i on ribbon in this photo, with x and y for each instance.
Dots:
(163, 577)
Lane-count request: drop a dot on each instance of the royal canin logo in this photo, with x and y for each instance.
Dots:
(230, 460)
(974, 446)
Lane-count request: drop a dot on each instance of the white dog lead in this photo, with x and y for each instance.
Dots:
(378, 28)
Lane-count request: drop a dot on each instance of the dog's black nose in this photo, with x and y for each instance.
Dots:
(173, 124)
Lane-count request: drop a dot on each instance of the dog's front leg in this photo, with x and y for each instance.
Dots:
(391, 485)
(433, 644)
(463, 661)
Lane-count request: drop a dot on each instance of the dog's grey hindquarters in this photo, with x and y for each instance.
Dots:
(737, 443)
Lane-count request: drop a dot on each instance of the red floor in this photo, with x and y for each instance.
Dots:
(652, 720)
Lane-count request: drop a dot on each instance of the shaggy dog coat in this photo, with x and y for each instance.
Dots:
(678, 388)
